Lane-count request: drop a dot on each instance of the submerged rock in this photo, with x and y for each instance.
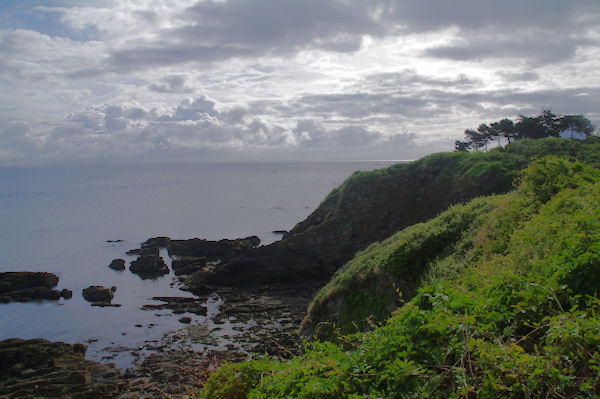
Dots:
(97, 293)
(148, 266)
(29, 286)
(117, 264)
(40, 368)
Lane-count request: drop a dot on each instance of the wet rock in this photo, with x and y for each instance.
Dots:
(67, 294)
(185, 320)
(97, 293)
(106, 304)
(188, 265)
(212, 250)
(158, 242)
(29, 286)
(179, 305)
(149, 266)
(117, 264)
(144, 251)
(40, 368)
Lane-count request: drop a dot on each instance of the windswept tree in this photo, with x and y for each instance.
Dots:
(476, 138)
(528, 127)
(550, 123)
(505, 128)
(462, 146)
(576, 123)
(547, 124)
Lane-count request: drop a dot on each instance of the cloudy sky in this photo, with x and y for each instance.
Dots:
(238, 80)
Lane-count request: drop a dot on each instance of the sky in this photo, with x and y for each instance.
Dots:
(274, 80)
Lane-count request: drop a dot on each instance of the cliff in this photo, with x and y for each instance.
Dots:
(371, 206)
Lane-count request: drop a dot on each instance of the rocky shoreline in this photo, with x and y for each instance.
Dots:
(250, 321)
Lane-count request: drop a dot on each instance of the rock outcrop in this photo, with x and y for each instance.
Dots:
(149, 266)
(40, 368)
(117, 264)
(99, 294)
(144, 251)
(186, 266)
(29, 286)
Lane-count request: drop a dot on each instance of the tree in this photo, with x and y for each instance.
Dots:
(476, 139)
(505, 128)
(550, 123)
(528, 127)
(462, 146)
(485, 134)
(577, 123)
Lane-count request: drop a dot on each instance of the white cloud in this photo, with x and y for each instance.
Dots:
(346, 78)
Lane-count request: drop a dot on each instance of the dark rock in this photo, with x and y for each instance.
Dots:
(186, 266)
(186, 320)
(106, 304)
(114, 241)
(158, 242)
(28, 286)
(117, 264)
(97, 293)
(40, 368)
(280, 231)
(148, 266)
(67, 294)
(144, 251)
(212, 250)
(179, 305)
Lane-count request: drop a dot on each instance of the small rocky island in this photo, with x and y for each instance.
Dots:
(30, 286)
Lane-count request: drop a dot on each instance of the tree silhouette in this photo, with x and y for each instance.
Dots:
(547, 124)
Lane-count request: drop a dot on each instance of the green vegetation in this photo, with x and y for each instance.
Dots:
(507, 306)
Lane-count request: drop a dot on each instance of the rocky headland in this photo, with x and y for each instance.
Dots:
(265, 290)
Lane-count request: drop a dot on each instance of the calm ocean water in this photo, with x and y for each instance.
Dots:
(59, 219)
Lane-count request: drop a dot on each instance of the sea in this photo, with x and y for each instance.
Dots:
(73, 220)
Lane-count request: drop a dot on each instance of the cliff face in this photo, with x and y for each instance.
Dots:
(371, 206)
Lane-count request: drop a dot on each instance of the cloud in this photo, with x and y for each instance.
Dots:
(339, 77)
(171, 84)
(524, 76)
(554, 48)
